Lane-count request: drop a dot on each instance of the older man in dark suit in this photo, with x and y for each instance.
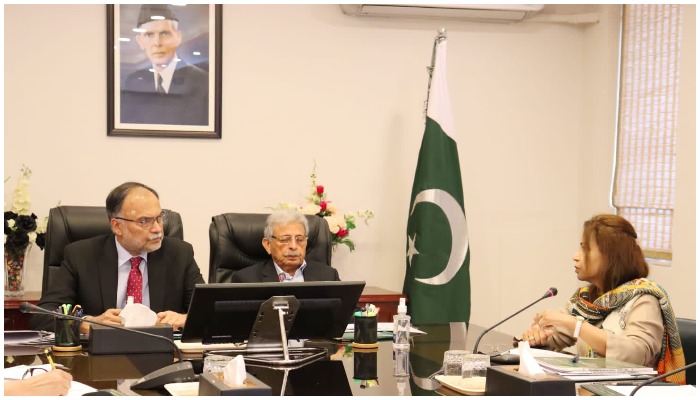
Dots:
(285, 240)
(169, 91)
(135, 261)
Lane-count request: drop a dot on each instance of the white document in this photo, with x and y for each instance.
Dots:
(540, 353)
(16, 373)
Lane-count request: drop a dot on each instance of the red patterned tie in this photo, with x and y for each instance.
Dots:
(135, 283)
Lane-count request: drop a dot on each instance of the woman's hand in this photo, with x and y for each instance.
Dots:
(535, 336)
(549, 320)
(544, 324)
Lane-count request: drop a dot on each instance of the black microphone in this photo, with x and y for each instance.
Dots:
(550, 293)
(181, 371)
(656, 378)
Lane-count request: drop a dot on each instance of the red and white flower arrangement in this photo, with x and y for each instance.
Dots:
(339, 224)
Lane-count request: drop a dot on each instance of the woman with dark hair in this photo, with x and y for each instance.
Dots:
(620, 314)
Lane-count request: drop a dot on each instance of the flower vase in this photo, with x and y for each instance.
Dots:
(15, 262)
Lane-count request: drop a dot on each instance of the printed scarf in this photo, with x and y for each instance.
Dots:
(671, 351)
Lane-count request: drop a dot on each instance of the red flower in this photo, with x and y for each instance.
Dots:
(322, 205)
(319, 190)
(342, 233)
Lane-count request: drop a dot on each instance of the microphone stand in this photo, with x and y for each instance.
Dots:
(551, 293)
(182, 371)
(656, 378)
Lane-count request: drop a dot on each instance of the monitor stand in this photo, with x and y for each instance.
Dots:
(267, 343)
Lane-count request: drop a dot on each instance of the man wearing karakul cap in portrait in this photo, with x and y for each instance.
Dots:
(170, 91)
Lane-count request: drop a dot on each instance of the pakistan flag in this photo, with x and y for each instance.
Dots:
(437, 257)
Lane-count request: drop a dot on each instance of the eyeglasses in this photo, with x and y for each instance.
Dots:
(33, 371)
(287, 239)
(146, 222)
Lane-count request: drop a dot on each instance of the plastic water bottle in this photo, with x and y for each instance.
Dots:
(402, 327)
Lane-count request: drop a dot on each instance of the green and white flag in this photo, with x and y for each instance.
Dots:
(437, 257)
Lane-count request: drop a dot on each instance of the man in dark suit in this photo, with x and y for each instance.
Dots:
(100, 273)
(169, 91)
(285, 240)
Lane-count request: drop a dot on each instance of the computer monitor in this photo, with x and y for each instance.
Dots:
(226, 312)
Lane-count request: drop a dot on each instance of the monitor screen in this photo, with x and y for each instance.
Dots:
(226, 312)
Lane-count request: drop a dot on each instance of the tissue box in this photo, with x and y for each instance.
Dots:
(214, 385)
(507, 381)
(105, 340)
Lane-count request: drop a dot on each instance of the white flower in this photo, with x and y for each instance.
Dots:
(41, 226)
(10, 223)
(335, 223)
(331, 208)
(32, 237)
(310, 209)
(20, 197)
(332, 223)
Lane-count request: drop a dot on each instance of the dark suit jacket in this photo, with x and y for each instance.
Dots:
(186, 103)
(88, 276)
(266, 272)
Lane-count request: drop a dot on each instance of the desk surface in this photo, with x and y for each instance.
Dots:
(326, 377)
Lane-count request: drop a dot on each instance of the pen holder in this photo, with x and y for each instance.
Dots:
(67, 335)
(365, 332)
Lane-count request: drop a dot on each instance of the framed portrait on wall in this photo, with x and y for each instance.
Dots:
(164, 70)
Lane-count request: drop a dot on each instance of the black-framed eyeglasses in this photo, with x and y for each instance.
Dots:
(31, 371)
(146, 222)
(287, 239)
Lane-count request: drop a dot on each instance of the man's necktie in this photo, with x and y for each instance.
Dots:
(160, 88)
(134, 286)
(281, 277)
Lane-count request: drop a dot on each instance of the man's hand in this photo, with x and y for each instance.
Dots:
(110, 316)
(172, 318)
(52, 383)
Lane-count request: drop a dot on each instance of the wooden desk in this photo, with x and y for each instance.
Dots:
(328, 378)
(14, 319)
(386, 300)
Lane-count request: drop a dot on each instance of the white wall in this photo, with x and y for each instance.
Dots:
(534, 110)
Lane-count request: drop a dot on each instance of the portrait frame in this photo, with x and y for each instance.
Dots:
(188, 56)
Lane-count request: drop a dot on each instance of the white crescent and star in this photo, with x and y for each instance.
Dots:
(458, 228)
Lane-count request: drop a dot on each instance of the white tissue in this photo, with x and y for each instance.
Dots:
(136, 314)
(234, 372)
(528, 364)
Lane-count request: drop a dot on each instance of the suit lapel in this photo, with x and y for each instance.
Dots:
(269, 273)
(108, 273)
(156, 279)
(310, 273)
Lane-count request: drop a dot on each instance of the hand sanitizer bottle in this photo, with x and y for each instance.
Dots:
(402, 327)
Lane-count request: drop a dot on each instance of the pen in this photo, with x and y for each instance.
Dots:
(48, 356)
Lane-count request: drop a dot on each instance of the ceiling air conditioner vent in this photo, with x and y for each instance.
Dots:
(469, 12)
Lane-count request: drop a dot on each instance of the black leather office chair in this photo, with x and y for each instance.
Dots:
(68, 224)
(686, 329)
(235, 242)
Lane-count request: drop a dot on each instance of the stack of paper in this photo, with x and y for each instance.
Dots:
(566, 366)
(28, 338)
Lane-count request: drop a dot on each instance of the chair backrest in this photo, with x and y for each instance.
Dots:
(686, 329)
(235, 242)
(69, 224)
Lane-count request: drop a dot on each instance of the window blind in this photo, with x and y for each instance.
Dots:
(645, 169)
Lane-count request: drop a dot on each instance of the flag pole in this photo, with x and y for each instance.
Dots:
(442, 35)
